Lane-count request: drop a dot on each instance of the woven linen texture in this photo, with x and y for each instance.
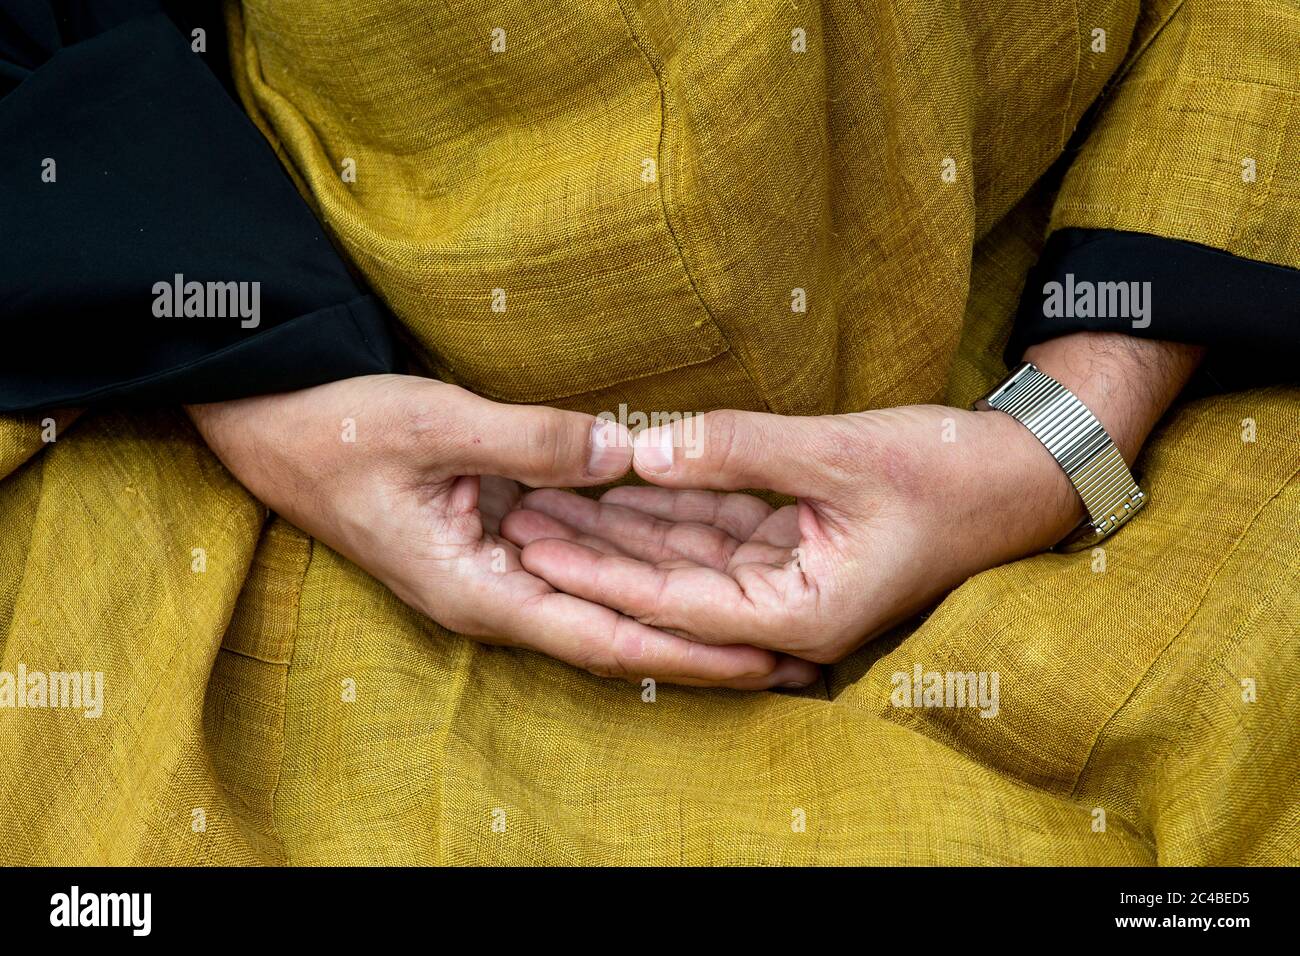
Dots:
(773, 170)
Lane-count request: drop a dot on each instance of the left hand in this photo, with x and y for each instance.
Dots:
(895, 507)
(417, 503)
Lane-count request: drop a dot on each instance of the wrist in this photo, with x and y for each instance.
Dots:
(262, 449)
(1125, 383)
(1036, 501)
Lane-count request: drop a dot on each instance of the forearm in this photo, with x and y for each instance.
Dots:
(1127, 382)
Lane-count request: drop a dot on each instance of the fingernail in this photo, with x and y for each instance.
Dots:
(796, 674)
(608, 458)
(654, 450)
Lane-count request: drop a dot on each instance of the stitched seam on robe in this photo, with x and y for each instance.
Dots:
(664, 204)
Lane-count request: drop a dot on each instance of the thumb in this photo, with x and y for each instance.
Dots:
(540, 446)
(731, 451)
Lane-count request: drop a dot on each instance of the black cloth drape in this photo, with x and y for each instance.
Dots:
(1246, 312)
(156, 173)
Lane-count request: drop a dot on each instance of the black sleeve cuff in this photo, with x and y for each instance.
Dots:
(157, 173)
(1246, 312)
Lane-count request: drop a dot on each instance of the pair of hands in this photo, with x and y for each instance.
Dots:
(686, 582)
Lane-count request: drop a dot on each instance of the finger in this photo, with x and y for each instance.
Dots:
(731, 451)
(539, 446)
(507, 604)
(781, 530)
(609, 644)
(496, 498)
(737, 514)
(702, 602)
(636, 533)
(524, 526)
(759, 553)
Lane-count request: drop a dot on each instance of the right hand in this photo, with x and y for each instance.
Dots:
(417, 501)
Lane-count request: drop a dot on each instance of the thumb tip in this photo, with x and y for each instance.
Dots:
(610, 450)
(654, 452)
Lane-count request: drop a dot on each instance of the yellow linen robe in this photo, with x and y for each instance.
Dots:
(651, 189)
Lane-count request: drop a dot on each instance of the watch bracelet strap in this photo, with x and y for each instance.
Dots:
(1081, 446)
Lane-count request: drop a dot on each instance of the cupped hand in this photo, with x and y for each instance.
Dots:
(411, 478)
(894, 508)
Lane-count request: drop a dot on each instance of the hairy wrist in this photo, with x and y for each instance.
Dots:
(1126, 382)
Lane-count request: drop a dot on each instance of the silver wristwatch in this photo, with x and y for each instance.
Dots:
(1080, 445)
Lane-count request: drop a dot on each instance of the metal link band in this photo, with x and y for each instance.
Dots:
(1080, 445)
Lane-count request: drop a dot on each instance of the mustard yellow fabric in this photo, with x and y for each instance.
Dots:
(648, 183)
